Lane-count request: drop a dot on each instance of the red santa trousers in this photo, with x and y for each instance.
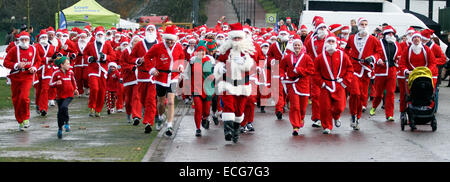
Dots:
(281, 98)
(20, 92)
(133, 104)
(232, 106)
(315, 103)
(297, 108)
(147, 96)
(249, 111)
(42, 89)
(82, 78)
(97, 93)
(332, 105)
(387, 83)
(359, 95)
(201, 107)
(120, 97)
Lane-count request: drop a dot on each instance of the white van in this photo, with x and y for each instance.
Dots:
(391, 14)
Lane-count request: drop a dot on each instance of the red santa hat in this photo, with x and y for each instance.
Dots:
(297, 38)
(59, 31)
(247, 29)
(389, 29)
(288, 18)
(283, 29)
(361, 19)
(345, 29)
(50, 30)
(99, 30)
(303, 27)
(265, 44)
(42, 33)
(331, 36)
(316, 19)
(112, 64)
(319, 24)
(426, 34)
(184, 42)
(335, 27)
(87, 28)
(23, 35)
(236, 31)
(65, 32)
(124, 40)
(410, 30)
(416, 34)
(170, 33)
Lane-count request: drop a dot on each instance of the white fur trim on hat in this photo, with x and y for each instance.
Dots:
(112, 64)
(169, 36)
(388, 30)
(331, 38)
(236, 33)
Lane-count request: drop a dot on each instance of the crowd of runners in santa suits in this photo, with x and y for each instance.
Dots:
(229, 69)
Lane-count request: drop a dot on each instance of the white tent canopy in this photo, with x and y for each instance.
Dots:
(127, 25)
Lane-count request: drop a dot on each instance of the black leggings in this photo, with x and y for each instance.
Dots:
(63, 111)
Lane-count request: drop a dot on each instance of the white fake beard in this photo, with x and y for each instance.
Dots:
(150, 37)
(117, 41)
(43, 41)
(82, 43)
(24, 45)
(243, 46)
(220, 42)
(284, 38)
(63, 40)
(101, 40)
(331, 48)
(390, 39)
(54, 42)
(416, 48)
(108, 37)
(322, 34)
(363, 31)
(343, 44)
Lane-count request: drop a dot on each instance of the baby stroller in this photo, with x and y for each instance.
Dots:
(421, 100)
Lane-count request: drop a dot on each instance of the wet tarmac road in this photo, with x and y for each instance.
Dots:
(378, 140)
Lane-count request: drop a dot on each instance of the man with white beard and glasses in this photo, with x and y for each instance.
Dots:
(80, 64)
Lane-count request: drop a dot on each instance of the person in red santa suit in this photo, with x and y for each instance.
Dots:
(80, 64)
(145, 85)
(197, 74)
(290, 25)
(130, 83)
(98, 54)
(120, 92)
(334, 70)
(115, 43)
(23, 61)
(112, 87)
(405, 44)
(440, 58)
(415, 56)
(263, 79)
(363, 49)
(237, 57)
(167, 59)
(386, 73)
(44, 74)
(14, 43)
(189, 51)
(276, 52)
(68, 47)
(296, 69)
(314, 47)
(53, 40)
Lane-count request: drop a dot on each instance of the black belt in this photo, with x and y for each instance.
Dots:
(235, 83)
(165, 71)
(328, 79)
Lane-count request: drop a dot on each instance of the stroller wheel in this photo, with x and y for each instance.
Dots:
(434, 125)
(412, 125)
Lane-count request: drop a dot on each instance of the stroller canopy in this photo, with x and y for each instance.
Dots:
(418, 73)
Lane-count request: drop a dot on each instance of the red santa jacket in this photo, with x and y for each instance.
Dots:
(410, 60)
(383, 70)
(98, 66)
(188, 53)
(113, 81)
(195, 72)
(314, 46)
(11, 45)
(439, 56)
(129, 76)
(333, 70)
(297, 72)
(68, 84)
(138, 52)
(17, 55)
(274, 55)
(79, 60)
(68, 49)
(371, 48)
(45, 71)
(167, 60)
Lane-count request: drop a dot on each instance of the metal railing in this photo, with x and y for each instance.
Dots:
(245, 9)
